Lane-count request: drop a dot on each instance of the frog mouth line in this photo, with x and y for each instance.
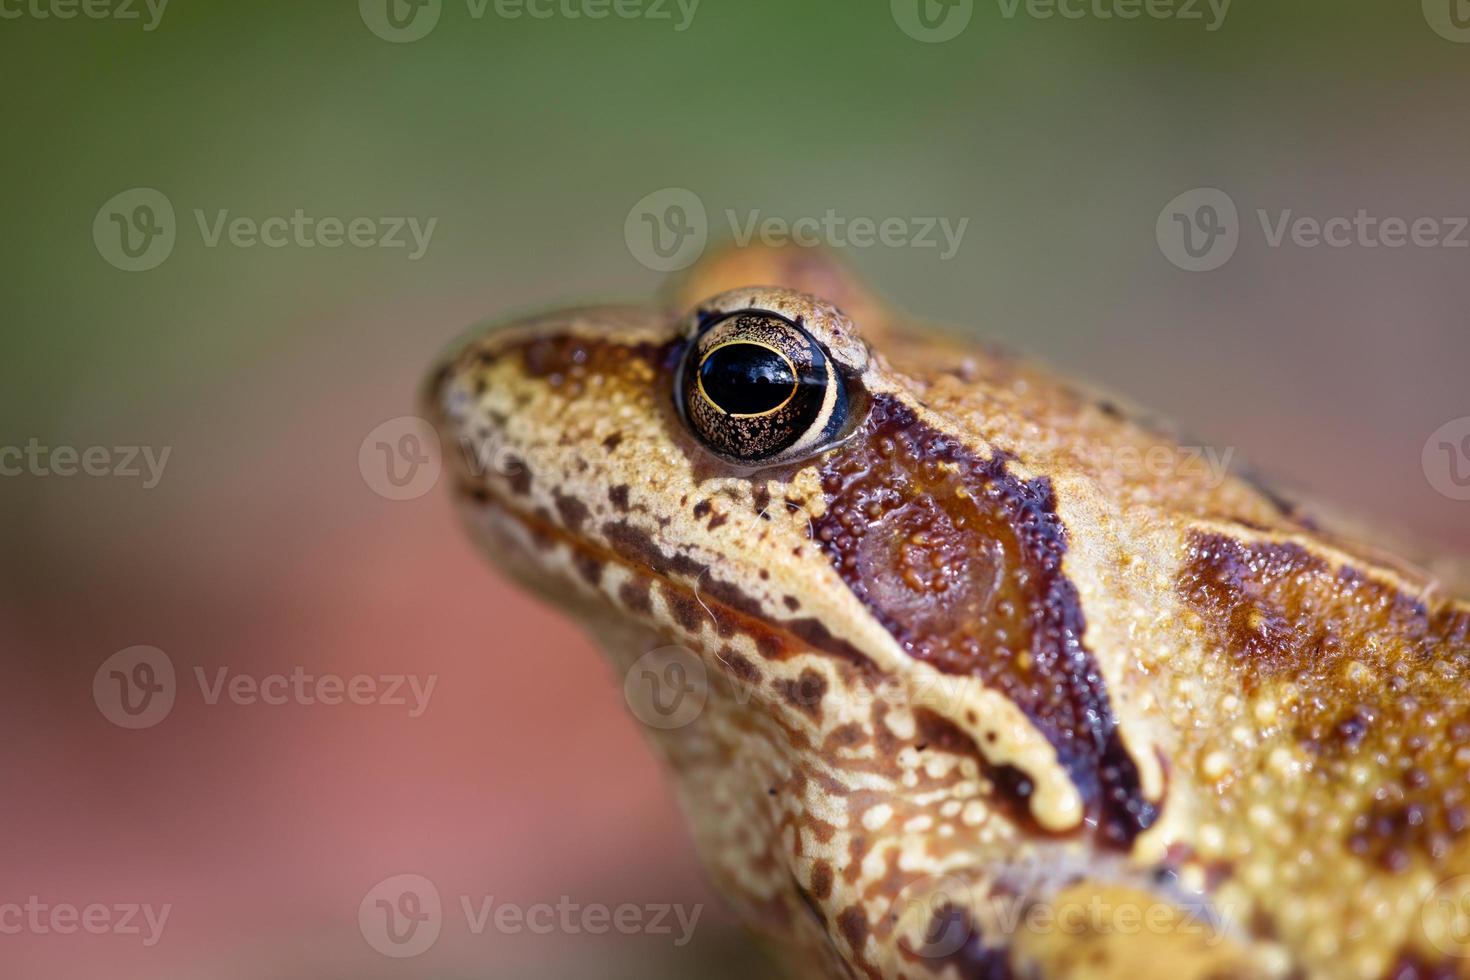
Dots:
(722, 606)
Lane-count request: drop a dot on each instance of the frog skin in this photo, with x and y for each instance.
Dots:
(984, 694)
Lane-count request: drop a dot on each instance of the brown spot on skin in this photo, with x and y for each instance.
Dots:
(952, 939)
(634, 595)
(564, 361)
(1012, 786)
(572, 511)
(613, 441)
(702, 509)
(1380, 677)
(1282, 609)
(852, 922)
(962, 563)
(761, 497)
(637, 546)
(718, 520)
(822, 880)
(1411, 967)
(792, 603)
(587, 566)
(683, 607)
(845, 736)
(518, 475)
(474, 492)
(739, 665)
(805, 693)
(815, 633)
(618, 497)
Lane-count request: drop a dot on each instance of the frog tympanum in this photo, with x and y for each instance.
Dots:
(994, 678)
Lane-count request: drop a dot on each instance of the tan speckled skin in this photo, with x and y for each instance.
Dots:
(1293, 709)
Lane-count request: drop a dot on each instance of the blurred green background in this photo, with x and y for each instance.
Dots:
(528, 141)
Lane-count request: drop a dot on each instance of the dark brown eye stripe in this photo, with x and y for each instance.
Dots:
(962, 563)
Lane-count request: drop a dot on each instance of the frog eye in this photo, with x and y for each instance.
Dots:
(757, 389)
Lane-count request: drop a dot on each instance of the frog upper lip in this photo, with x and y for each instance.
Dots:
(717, 610)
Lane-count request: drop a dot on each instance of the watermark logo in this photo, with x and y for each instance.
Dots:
(1445, 917)
(1210, 12)
(936, 917)
(123, 462)
(1199, 230)
(932, 21)
(571, 918)
(928, 916)
(1446, 459)
(149, 12)
(667, 230)
(400, 21)
(135, 688)
(302, 687)
(839, 231)
(666, 688)
(135, 230)
(401, 916)
(41, 918)
(400, 459)
(1450, 19)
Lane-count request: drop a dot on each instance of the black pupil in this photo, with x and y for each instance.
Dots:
(746, 379)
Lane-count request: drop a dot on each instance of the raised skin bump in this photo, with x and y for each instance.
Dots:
(965, 671)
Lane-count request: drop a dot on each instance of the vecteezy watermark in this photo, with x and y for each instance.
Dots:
(1446, 459)
(1450, 19)
(936, 916)
(400, 459)
(123, 462)
(136, 230)
(148, 12)
(932, 21)
(1207, 465)
(936, 21)
(1445, 917)
(1211, 13)
(1200, 230)
(669, 229)
(298, 686)
(41, 918)
(403, 916)
(666, 688)
(137, 688)
(404, 21)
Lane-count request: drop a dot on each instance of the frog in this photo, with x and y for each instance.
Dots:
(977, 690)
